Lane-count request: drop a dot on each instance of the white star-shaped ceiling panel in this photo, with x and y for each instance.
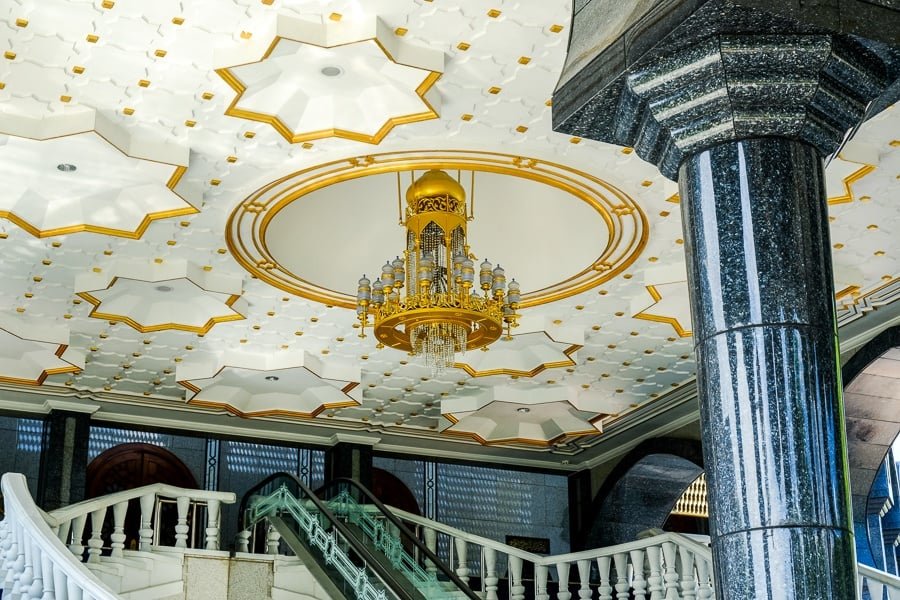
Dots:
(30, 350)
(167, 295)
(59, 178)
(356, 88)
(510, 423)
(287, 384)
(143, 75)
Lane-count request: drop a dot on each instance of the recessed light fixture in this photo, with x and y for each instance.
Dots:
(523, 410)
(271, 377)
(66, 167)
(164, 288)
(331, 71)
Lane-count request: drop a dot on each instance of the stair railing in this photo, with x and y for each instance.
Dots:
(70, 522)
(665, 566)
(876, 585)
(670, 566)
(34, 562)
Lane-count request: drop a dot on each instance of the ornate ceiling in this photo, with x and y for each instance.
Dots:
(192, 189)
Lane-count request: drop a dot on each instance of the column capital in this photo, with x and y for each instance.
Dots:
(675, 77)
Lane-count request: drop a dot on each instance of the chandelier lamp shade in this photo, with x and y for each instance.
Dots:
(428, 302)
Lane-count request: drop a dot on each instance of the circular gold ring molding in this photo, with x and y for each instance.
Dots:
(626, 224)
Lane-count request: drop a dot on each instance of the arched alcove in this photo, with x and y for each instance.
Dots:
(640, 492)
(872, 406)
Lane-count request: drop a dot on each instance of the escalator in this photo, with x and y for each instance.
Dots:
(364, 551)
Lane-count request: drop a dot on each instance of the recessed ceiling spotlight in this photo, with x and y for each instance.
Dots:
(331, 71)
(66, 167)
(271, 377)
(164, 288)
(523, 410)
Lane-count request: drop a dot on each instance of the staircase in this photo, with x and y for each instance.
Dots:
(346, 545)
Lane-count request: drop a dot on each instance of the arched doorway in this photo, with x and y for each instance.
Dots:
(388, 488)
(130, 466)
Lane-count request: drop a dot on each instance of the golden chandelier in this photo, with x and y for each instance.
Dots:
(441, 312)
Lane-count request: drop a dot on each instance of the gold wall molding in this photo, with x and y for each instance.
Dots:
(626, 224)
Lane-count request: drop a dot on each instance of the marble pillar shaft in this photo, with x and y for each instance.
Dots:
(759, 268)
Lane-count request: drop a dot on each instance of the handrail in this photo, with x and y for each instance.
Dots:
(537, 559)
(78, 509)
(389, 515)
(43, 554)
(342, 529)
(886, 579)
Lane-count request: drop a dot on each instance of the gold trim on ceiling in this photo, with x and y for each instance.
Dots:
(138, 232)
(521, 441)
(569, 362)
(39, 380)
(274, 412)
(675, 323)
(627, 229)
(202, 329)
(297, 137)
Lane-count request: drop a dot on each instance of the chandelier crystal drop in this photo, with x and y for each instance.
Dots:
(426, 302)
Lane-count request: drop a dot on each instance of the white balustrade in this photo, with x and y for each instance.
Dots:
(665, 567)
(42, 555)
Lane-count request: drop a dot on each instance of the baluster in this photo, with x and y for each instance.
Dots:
(242, 541)
(584, 576)
(671, 574)
(541, 576)
(145, 533)
(117, 538)
(430, 543)
(655, 581)
(462, 568)
(37, 586)
(705, 590)
(688, 584)
(60, 583)
(183, 503)
(517, 589)
(95, 542)
(212, 524)
(490, 573)
(27, 576)
(73, 590)
(622, 588)
(63, 531)
(605, 589)
(562, 570)
(76, 545)
(638, 582)
(49, 576)
(272, 539)
(18, 566)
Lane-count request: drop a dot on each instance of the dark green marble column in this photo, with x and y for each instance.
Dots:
(64, 458)
(741, 101)
(353, 461)
(759, 271)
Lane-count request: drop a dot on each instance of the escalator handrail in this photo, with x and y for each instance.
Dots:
(373, 563)
(390, 516)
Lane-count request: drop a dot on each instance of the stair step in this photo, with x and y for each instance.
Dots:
(165, 590)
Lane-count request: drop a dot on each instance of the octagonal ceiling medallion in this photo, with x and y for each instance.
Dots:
(597, 230)
(30, 350)
(284, 384)
(175, 295)
(348, 79)
(541, 416)
(528, 352)
(79, 172)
